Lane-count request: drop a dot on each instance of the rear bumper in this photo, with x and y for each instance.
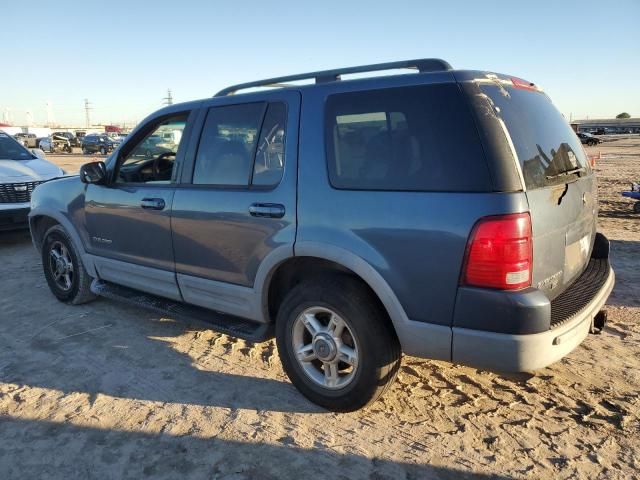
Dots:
(524, 352)
(14, 218)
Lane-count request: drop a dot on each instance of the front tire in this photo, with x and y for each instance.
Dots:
(67, 278)
(336, 343)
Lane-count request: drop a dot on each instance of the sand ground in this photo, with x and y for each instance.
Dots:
(109, 391)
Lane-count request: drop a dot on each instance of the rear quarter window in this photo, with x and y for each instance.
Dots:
(543, 140)
(419, 138)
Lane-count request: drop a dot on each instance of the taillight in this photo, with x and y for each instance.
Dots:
(499, 253)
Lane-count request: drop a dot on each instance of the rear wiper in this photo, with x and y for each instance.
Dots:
(567, 172)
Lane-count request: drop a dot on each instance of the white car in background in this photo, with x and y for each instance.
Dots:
(21, 171)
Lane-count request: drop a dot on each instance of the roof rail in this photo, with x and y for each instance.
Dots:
(422, 65)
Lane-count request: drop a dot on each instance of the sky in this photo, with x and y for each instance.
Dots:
(123, 56)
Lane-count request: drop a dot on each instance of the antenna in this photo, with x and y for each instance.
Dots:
(87, 108)
(168, 100)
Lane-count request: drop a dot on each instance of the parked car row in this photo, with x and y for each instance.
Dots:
(610, 130)
(64, 142)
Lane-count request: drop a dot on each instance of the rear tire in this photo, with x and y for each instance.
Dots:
(367, 343)
(67, 278)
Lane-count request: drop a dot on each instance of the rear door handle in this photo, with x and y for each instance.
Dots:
(152, 203)
(269, 210)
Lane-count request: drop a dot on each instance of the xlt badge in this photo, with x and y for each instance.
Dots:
(105, 241)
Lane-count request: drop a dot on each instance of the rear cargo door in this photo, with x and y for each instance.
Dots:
(559, 183)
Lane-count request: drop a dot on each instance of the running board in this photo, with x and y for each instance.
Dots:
(228, 324)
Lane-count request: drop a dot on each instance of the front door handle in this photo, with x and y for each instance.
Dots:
(152, 203)
(269, 210)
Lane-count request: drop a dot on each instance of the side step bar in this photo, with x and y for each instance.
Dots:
(190, 314)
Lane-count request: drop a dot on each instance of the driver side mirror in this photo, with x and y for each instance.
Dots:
(94, 172)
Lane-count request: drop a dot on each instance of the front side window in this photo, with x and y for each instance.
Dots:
(418, 138)
(152, 159)
(242, 145)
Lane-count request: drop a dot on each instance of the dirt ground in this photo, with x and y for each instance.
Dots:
(110, 391)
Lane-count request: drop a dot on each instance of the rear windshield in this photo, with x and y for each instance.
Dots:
(419, 138)
(544, 142)
(12, 150)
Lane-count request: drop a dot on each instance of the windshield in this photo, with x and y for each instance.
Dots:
(12, 150)
(544, 142)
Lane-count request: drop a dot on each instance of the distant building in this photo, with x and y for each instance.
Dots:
(603, 126)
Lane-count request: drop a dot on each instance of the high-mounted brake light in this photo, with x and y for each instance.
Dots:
(499, 253)
(523, 84)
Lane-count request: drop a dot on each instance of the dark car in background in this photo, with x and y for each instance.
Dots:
(588, 139)
(97, 143)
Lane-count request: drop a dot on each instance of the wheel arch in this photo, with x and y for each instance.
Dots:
(329, 257)
(40, 220)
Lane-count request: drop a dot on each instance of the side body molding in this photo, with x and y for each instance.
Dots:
(246, 302)
(421, 339)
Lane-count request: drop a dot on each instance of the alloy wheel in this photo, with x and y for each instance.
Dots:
(61, 265)
(325, 347)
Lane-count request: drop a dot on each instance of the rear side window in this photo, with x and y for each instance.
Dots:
(418, 138)
(269, 162)
(242, 145)
(544, 142)
(227, 145)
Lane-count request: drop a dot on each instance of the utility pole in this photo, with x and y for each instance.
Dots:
(87, 108)
(168, 100)
(50, 119)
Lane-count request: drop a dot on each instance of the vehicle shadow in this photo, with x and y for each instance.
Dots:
(37, 449)
(15, 237)
(624, 260)
(127, 352)
(107, 348)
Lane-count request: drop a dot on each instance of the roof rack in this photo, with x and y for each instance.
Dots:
(324, 76)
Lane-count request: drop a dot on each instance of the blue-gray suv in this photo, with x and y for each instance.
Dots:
(445, 214)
